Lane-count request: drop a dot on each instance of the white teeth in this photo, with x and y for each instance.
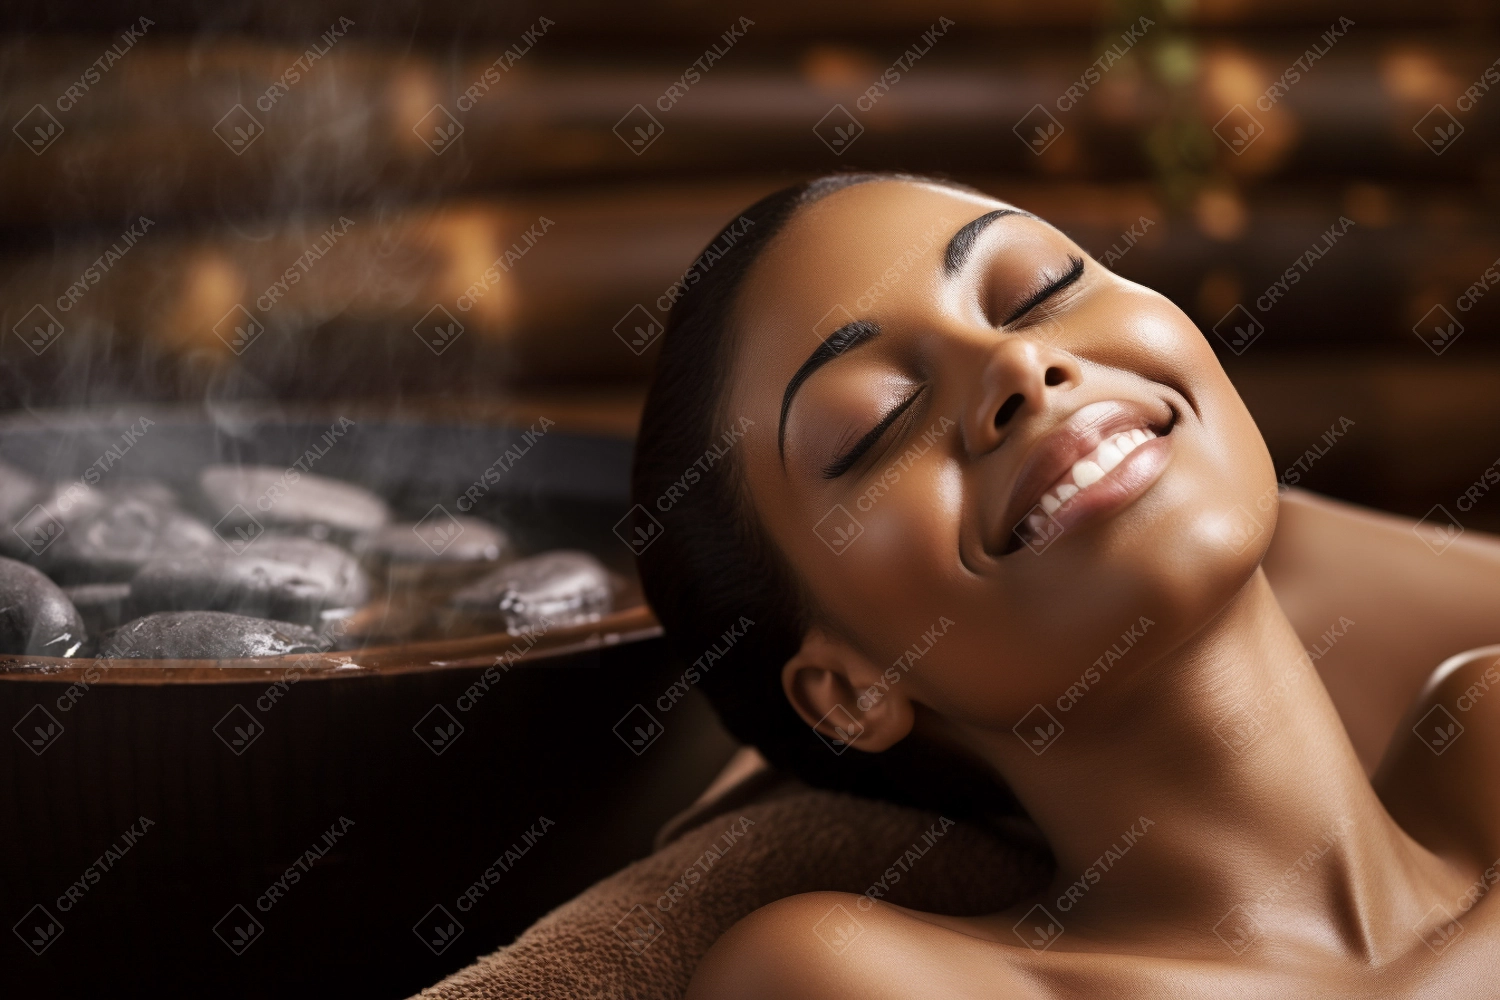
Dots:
(1109, 455)
(1086, 473)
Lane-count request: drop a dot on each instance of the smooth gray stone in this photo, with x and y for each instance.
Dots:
(206, 635)
(101, 605)
(36, 618)
(151, 490)
(115, 543)
(52, 513)
(288, 578)
(436, 539)
(564, 587)
(291, 500)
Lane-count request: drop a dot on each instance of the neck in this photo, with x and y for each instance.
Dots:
(1217, 776)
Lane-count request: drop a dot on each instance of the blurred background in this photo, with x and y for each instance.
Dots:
(447, 201)
(477, 211)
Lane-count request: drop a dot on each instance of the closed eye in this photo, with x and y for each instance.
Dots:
(846, 461)
(1073, 273)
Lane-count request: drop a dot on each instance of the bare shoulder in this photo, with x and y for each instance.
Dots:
(1437, 774)
(822, 946)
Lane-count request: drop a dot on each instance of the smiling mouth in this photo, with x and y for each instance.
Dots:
(1093, 481)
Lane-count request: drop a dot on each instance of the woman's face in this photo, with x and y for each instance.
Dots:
(1009, 438)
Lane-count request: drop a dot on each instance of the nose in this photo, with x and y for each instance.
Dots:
(1015, 378)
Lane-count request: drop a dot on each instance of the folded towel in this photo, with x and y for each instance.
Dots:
(640, 933)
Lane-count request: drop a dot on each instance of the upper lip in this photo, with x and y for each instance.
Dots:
(1055, 451)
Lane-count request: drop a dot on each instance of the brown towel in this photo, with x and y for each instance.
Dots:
(640, 933)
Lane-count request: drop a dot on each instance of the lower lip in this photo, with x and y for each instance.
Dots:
(1120, 488)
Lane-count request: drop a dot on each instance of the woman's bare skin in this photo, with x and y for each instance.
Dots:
(1261, 859)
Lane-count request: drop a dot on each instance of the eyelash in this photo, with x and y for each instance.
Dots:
(845, 462)
(1074, 272)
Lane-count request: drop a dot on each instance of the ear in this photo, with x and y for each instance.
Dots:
(844, 696)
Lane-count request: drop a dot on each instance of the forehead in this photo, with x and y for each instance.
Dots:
(843, 257)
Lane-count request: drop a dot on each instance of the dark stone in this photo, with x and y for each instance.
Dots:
(36, 618)
(117, 541)
(286, 499)
(206, 635)
(54, 511)
(436, 538)
(101, 605)
(565, 587)
(277, 576)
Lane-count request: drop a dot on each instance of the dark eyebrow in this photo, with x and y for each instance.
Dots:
(845, 338)
(963, 241)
